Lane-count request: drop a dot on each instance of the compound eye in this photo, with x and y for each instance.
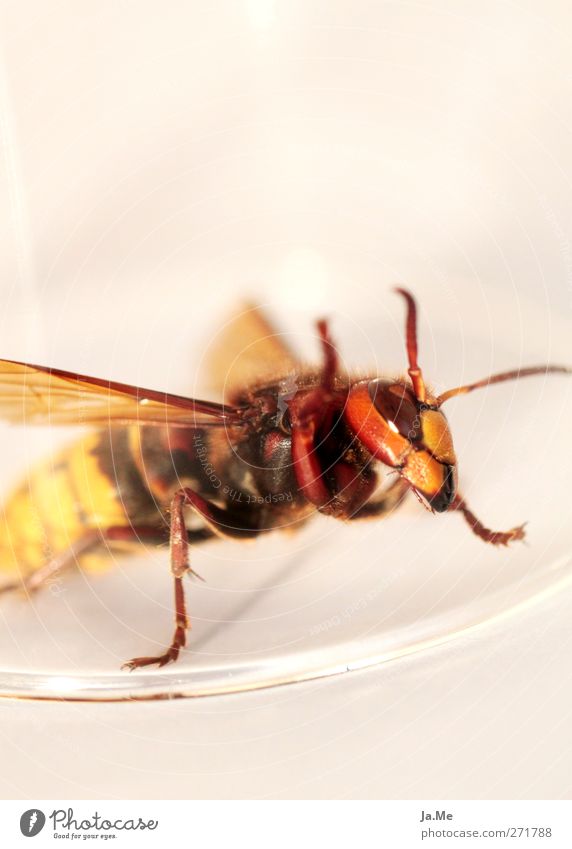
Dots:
(398, 407)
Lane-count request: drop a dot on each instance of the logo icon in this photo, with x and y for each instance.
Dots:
(32, 822)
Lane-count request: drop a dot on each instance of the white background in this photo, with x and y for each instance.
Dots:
(163, 160)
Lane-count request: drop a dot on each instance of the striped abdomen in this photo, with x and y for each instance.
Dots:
(100, 481)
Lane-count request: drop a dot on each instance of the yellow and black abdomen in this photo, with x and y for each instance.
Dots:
(93, 484)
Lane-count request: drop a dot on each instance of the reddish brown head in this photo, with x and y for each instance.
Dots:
(402, 425)
(417, 441)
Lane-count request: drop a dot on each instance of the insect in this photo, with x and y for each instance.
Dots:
(165, 467)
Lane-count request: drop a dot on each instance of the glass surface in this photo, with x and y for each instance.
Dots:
(335, 597)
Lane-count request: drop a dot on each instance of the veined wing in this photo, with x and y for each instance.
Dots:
(32, 394)
(249, 349)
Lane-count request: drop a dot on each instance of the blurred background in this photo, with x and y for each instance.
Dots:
(160, 162)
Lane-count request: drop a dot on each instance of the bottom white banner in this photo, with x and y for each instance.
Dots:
(286, 824)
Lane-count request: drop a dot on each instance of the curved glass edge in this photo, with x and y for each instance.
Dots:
(217, 681)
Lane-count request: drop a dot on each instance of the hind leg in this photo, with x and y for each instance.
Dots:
(41, 576)
(91, 541)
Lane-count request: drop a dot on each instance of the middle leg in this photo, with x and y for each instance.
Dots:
(219, 521)
(386, 502)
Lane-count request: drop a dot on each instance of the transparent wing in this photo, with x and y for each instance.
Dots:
(34, 394)
(249, 349)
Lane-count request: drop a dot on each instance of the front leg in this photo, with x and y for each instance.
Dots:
(492, 537)
(220, 521)
(386, 502)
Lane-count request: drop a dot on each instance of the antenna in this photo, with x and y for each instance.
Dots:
(415, 372)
